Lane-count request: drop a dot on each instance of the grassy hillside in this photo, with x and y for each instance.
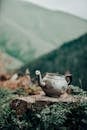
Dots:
(31, 31)
(71, 56)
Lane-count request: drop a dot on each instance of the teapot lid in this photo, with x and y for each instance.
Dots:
(54, 75)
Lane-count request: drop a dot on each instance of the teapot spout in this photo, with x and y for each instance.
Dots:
(41, 83)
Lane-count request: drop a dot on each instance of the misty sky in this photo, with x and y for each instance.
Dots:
(76, 7)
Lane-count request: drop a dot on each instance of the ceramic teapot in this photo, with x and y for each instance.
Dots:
(54, 84)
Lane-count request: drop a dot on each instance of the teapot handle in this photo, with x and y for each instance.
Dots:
(68, 78)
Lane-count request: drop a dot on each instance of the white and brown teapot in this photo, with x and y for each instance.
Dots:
(54, 84)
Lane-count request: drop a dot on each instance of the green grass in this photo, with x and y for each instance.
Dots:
(59, 116)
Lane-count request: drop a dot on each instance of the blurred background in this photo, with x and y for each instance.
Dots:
(49, 35)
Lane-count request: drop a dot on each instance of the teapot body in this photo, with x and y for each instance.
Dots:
(55, 84)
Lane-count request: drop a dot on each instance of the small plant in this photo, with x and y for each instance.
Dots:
(20, 91)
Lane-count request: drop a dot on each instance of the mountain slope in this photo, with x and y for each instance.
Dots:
(8, 63)
(71, 56)
(30, 31)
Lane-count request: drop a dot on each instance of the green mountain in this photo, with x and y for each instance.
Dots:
(28, 31)
(72, 56)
